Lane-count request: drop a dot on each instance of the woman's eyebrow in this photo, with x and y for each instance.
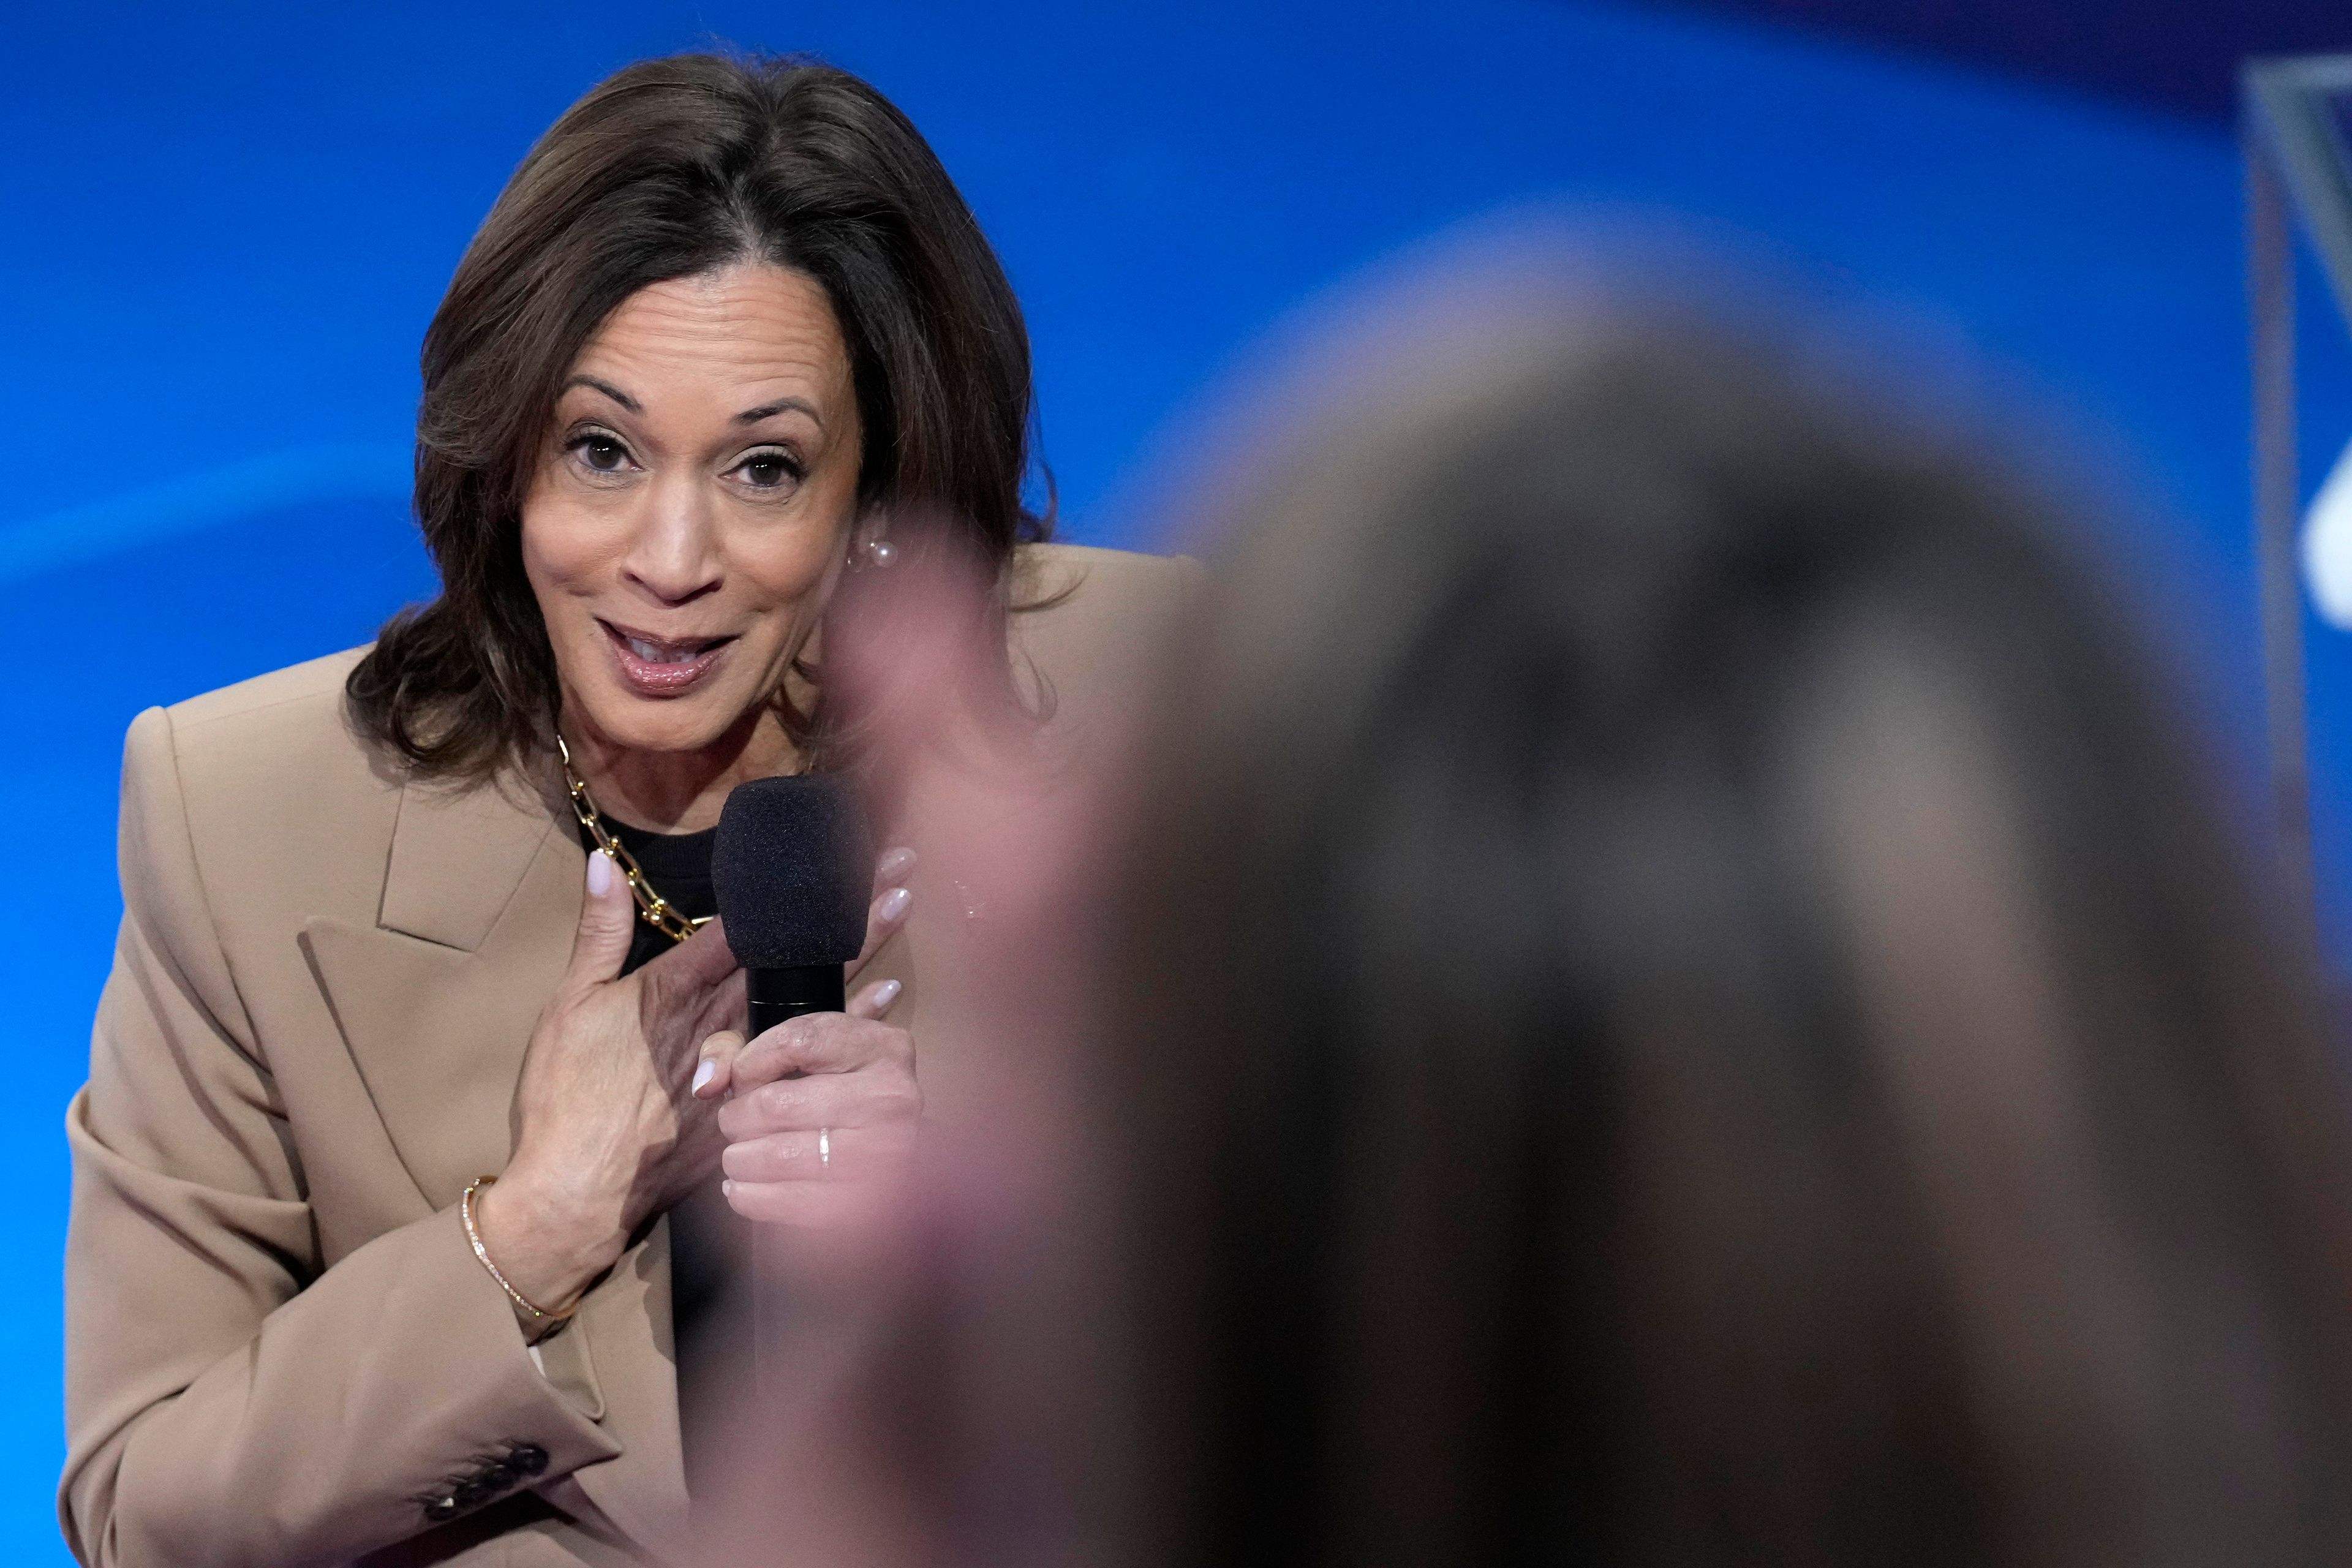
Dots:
(753, 416)
(606, 387)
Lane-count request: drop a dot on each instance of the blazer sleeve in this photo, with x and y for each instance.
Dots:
(227, 1399)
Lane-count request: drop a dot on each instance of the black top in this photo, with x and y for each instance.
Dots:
(713, 1335)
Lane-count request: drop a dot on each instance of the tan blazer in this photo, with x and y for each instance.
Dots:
(279, 1348)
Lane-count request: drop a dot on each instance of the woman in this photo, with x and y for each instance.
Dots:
(1670, 996)
(402, 1151)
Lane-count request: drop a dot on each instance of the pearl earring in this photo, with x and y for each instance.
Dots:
(879, 552)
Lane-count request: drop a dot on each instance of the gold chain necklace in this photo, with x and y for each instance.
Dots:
(652, 906)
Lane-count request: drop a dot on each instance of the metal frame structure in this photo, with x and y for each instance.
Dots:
(2297, 136)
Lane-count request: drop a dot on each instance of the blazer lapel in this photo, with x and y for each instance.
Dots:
(462, 857)
(436, 1004)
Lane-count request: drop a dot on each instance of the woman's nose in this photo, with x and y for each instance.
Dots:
(675, 554)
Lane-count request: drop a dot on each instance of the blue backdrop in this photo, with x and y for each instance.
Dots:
(225, 232)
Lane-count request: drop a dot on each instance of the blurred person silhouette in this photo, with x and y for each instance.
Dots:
(1667, 987)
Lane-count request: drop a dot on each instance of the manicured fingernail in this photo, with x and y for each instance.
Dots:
(893, 906)
(895, 865)
(886, 994)
(728, 1187)
(600, 874)
(704, 1074)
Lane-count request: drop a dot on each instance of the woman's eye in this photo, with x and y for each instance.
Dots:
(598, 453)
(767, 471)
(602, 453)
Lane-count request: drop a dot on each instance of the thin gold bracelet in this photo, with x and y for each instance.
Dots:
(466, 1213)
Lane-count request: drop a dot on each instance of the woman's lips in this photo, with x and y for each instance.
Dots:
(662, 669)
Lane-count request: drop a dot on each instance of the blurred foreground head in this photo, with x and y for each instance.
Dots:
(1681, 1000)
(1659, 988)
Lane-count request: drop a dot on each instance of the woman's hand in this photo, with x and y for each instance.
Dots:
(819, 1112)
(609, 1131)
(610, 1127)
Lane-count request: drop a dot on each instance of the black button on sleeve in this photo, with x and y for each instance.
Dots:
(493, 1476)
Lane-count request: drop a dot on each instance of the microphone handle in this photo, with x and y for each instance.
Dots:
(775, 995)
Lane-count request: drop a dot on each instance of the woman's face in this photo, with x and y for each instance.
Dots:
(694, 504)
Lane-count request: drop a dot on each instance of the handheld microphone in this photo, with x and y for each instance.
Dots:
(794, 870)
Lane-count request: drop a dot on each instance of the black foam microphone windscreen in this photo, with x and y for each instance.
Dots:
(794, 870)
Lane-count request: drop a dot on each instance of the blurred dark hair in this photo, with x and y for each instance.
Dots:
(1687, 1003)
(672, 168)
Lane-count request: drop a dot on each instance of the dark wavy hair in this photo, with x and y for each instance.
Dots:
(1686, 999)
(673, 168)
